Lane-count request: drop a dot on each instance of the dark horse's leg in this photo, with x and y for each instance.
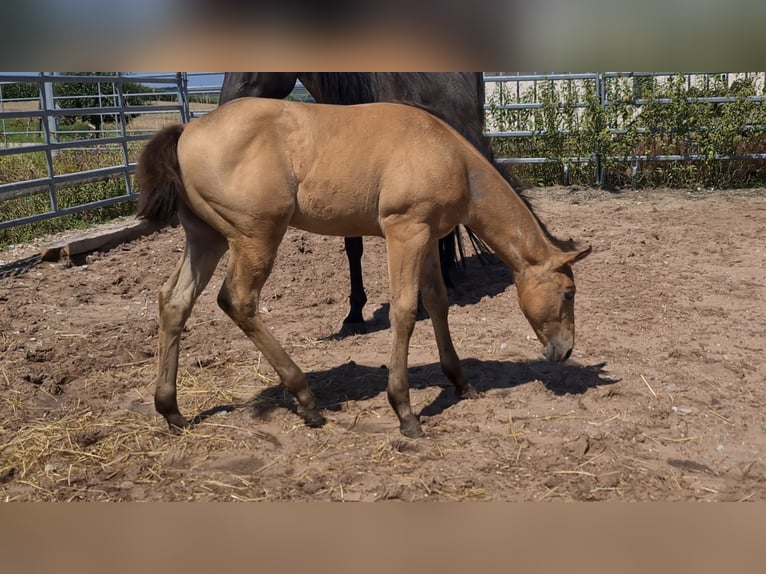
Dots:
(447, 257)
(358, 298)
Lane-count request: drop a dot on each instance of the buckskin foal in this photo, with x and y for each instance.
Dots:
(238, 177)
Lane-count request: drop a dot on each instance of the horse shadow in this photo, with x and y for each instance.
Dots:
(478, 276)
(351, 382)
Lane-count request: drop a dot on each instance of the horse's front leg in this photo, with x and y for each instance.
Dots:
(407, 245)
(435, 300)
(358, 298)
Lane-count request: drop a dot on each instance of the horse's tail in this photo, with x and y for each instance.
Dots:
(159, 176)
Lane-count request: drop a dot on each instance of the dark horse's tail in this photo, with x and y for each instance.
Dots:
(159, 177)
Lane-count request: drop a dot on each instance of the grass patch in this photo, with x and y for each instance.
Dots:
(82, 220)
(25, 166)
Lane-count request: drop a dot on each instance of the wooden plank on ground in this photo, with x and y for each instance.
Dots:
(104, 238)
(52, 252)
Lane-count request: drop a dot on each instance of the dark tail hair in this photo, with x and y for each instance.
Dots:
(159, 176)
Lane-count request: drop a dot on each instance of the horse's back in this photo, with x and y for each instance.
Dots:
(336, 170)
(372, 161)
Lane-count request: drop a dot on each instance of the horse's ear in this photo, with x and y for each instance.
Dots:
(582, 254)
(572, 257)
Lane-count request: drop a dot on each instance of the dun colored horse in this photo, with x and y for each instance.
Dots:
(455, 97)
(238, 177)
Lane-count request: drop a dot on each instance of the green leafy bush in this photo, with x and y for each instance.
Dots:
(74, 95)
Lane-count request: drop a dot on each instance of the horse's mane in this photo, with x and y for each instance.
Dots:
(346, 87)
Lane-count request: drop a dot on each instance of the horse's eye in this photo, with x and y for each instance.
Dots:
(569, 295)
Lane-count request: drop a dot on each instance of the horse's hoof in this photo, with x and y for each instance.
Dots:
(353, 320)
(177, 423)
(411, 429)
(313, 418)
(353, 328)
(469, 393)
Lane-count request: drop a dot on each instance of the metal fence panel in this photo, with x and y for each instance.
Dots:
(56, 135)
(519, 107)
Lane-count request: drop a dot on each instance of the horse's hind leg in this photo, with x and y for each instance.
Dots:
(358, 298)
(251, 263)
(435, 300)
(204, 248)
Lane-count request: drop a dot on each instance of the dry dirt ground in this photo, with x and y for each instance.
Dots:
(663, 399)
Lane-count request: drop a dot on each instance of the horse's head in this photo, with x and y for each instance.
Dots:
(546, 295)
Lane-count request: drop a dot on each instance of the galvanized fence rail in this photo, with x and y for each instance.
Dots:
(39, 127)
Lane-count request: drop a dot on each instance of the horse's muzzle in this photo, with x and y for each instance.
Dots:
(556, 352)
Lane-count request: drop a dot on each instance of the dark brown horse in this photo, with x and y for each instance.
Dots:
(457, 98)
(240, 176)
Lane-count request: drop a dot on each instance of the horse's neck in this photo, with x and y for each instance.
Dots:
(501, 218)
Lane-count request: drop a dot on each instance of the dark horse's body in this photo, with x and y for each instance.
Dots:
(456, 97)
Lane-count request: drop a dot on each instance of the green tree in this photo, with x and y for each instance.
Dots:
(78, 95)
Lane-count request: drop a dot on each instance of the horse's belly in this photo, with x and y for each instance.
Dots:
(332, 212)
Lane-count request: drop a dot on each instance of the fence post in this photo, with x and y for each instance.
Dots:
(182, 80)
(48, 104)
(123, 103)
(601, 91)
(49, 131)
